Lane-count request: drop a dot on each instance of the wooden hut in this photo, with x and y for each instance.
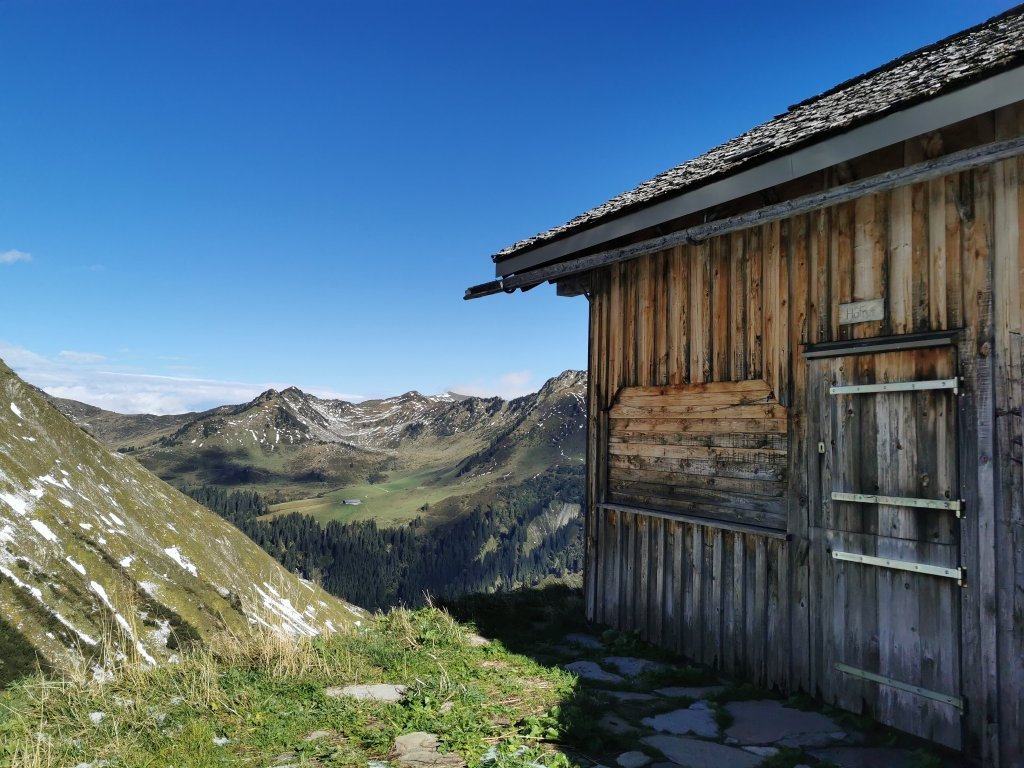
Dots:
(806, 351)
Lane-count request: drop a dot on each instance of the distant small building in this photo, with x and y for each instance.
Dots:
(805, 392)
(353, 502)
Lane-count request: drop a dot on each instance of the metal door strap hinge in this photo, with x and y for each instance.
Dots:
(960, 574)
(863, 674)
(899, 501)
(896, 386)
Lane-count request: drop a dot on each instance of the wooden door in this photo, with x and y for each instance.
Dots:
(887, 533)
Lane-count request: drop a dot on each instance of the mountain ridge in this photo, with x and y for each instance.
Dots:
(389, 452)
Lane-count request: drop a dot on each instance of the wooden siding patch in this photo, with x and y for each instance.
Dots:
(862, 311)
(716, 450)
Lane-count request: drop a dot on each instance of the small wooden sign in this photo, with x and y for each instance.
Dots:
(862, 311)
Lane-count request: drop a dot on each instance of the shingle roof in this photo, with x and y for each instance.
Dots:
(947, 65)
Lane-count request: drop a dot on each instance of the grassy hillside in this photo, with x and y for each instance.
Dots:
(255, 700)
(100, 560)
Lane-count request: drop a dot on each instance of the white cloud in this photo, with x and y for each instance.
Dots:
(80, 357)
(9, 257)
(70, 375)
(507, 386)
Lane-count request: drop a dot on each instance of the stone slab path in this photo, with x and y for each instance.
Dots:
(680, 726)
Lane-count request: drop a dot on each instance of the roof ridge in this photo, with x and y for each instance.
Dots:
(1016, 10)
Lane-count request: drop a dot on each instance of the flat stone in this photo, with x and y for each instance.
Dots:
(317, 735)
(589, 670)
(762, 751)
(632, 666)
(768, 721)
(632, 760)
(866, 757)
(694, 753)
(628, 695)
(689, 692)
(420, 750)
(583, 641)
(697, 719)
(615, 724)
(389, 694)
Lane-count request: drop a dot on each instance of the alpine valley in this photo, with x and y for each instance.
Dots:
(101, 560)
(383, 501)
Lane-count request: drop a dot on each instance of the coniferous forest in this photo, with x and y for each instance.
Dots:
(499, 545)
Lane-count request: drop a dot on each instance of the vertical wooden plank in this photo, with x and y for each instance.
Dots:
(591, 562)
(738, 631)
(977, 449)
(662, 315)
(819, 312)
(799, 281)
(938, 317)
(616, 544)
(920, 270)
(657, 603)
(758, 632)
(642, 613)
(627, 608)
(789, 237)
(675, 596)
(779, 639)
(755, 303)
(721, 328)
(954, 253)
(700, 314)
(1007, 316)
(713, 561)
(842, 256)
(631, 301)
(693, 604)
(772, 303)
(616, 380)
(645, 331)
(901, 298)
(679, 325)
(738, 306)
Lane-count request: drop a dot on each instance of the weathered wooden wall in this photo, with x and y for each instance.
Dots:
(941, 255)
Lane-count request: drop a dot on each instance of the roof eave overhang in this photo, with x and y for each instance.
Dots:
(979, 97)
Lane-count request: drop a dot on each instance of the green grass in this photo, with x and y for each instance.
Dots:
(266, 696)
(398, 499)
(428, 491)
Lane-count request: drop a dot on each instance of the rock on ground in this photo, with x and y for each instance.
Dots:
(589, 670)
(694, 753)
(420, 750)
(698, 720)
(389, 694)
(632, 760)
(767, 721)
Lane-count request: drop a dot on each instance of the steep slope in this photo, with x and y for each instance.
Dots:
(98, 557)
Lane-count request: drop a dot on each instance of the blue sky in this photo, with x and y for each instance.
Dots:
(202, 199)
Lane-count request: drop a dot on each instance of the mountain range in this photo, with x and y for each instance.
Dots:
(388, 460)
(101, 560)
